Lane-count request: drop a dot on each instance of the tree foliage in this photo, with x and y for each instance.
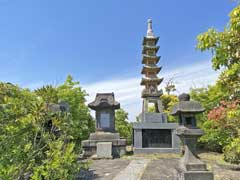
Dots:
(123, 126)
(168, 101)
(35, 142)
(222, 118)
(225, 47)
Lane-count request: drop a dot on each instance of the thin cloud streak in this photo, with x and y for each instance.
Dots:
(128, 91)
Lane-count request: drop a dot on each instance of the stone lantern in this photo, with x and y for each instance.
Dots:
(105, 142)
(190, 166)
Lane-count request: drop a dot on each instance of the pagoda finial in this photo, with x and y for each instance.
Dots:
(149, 30)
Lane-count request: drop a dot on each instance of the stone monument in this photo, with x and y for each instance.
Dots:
(153, 134)
(105, 141)
(190, 166)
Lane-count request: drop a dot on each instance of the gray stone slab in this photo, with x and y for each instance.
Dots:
(104, 136)
(161, 169)
(154, 117)
(155, 150)
(104, 150)
(133, 171)
(197, 175)
(147, 125)
(103, 169)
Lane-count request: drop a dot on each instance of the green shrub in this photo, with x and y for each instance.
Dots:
(215, 138)
(232, 152)
(36, 143)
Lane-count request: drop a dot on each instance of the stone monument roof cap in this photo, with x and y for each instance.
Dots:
(104, 100)
(187, 107)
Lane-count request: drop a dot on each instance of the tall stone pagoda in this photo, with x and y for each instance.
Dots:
(153, 134)
(150, 93)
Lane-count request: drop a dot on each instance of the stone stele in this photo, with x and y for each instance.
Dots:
(105, 106)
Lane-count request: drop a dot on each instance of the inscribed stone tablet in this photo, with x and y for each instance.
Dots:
(105, 120)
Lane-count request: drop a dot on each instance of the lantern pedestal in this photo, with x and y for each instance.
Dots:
(190, 166)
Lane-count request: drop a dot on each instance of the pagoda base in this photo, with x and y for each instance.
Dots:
(155, 135)
(118, 145)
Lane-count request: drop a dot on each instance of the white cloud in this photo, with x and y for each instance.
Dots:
(128, 90)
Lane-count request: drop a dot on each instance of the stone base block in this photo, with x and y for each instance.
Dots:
(155, 150)
(104, 150)
(118, 146)
(154, 117)
(104, 136)
(196, 175)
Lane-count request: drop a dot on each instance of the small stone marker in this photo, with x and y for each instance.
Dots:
(104, 150)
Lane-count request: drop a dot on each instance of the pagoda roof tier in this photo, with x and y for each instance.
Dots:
(146, 47)
(146, 57)
(155, 80)
(149, 39)
(148, 68)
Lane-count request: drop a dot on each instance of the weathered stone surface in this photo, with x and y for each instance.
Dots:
(103, 169)
(197, 175)
(133, 171)
(104, 105)
(104, 100)
(186, 106)
(138, 146)
(146, 125)
(104, 150)
(155, 150)
(189, 132)
(161, 169)
(104, 136)
(154, 117)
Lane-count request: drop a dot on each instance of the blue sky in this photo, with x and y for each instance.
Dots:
(99, 42)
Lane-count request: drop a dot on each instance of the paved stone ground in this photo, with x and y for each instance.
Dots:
(161, 169)
(221, 173)
(103, 169)
(147, 169)
(134, 170)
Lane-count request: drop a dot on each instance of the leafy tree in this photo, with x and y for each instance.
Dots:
(123, 126)
(223, 126)
(225, 47)
(222, 118)
(168, 101)
(36, 142)
(83, 123)
(170, 86)
(70, 92)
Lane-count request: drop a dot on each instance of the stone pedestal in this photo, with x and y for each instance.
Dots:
(155, 123)
(118, 145)
(190, 166)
